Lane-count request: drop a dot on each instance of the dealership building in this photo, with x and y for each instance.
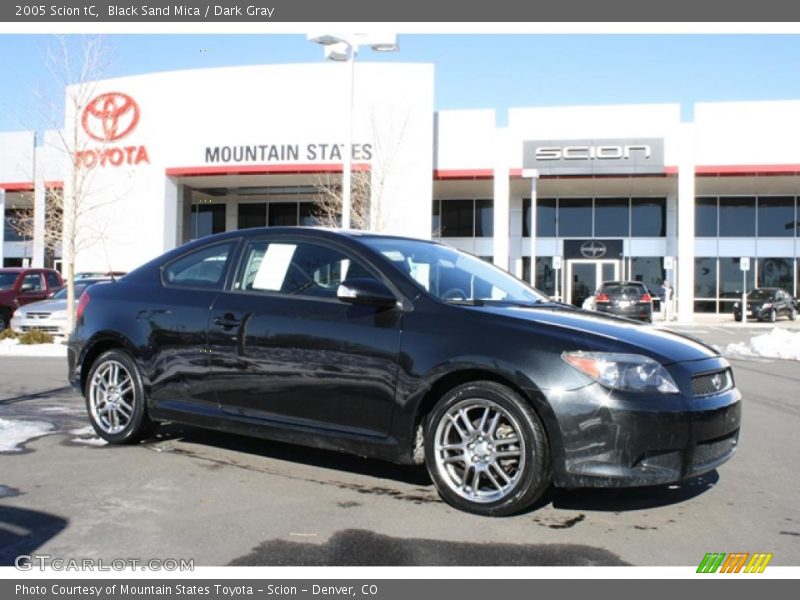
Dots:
(565, 197)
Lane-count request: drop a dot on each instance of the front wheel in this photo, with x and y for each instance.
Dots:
(793, 314)
(773, 315)
(486, 450)
(115, 399)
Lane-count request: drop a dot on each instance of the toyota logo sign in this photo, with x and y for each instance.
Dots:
(110, 117)
(593, 249)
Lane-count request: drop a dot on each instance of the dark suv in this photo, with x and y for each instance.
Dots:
(767, 304)
(21, 285)
(629, 299)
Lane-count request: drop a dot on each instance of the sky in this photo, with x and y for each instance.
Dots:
(472, 71)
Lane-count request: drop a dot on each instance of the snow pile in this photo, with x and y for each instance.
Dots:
(14, 348)
(778, 343)
(87, 435)
(15, 433)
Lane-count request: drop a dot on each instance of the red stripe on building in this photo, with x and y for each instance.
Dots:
(746, 170)
(444, 174)
(27, 186)
(287, 169)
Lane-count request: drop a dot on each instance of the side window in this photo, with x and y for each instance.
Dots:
(203, 268)
(52, 280)
(296, 269)
(34, 280)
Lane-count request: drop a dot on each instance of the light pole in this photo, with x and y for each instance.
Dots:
(343, 48)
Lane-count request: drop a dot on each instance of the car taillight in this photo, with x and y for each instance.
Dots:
(602, 297)
(646, 297)
(83, 302)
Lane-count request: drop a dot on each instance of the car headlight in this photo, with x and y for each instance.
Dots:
(767, 305)
(627, 372)
(58, 314)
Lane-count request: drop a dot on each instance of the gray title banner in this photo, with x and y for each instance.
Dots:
(465, 11)
(387, 589)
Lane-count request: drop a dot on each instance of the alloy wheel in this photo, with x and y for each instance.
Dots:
(111, 397)
(480, 450)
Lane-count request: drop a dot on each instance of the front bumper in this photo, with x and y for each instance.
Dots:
(615, 439)
(51, 326)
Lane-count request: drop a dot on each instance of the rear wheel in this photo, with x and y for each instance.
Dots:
(5, 319)
(486, 450)
(115, 399)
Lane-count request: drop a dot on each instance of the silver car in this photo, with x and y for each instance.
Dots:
(49, 316)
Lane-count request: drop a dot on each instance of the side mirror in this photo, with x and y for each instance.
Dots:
(362, 290)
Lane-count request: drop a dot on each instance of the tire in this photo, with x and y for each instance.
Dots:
(5, 320)
(773, 315)
(464, 434)
(793, 314)
(115, 399)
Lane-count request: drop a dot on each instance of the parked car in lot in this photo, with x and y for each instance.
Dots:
(629, 299)
(404, 350)
(22, 285)
(767, 304)
(49, 316)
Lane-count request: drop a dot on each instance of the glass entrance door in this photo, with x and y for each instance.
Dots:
(584, 277)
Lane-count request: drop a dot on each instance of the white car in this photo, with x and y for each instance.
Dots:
(49, 316)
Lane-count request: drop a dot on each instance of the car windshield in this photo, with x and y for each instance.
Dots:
(79, 287)
(7, 280)
(454, 276)
(760, 294)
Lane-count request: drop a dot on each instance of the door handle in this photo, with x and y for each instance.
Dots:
(227, 321)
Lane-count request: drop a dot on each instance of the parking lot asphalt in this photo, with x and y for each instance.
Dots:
(221, 499)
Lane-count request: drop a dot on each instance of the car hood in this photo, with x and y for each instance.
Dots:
(599, 332)
(43, 306)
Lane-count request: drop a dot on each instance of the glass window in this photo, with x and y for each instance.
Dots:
(458, 218)
(545, 275)
(34, 280)
(611, 217)
(484, 218)
(282, 214)
(436, 219)
(776, 217)
(52, 280)
(705, 306)
(252, 215)
(775, 272)
(296, 269)
(705, 277)
(730, 277)
(203, 268)
(648, 217)
(649, 270)
(17, 222)
(737, 217)
(545, 217)
(575, 217)
(310, 214)
(207, 219)
(705, 217)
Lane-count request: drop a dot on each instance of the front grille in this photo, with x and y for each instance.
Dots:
(712, 383)
(38, 315)
(710, 452)
(45, 329)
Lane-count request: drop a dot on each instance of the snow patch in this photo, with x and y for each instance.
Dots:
(86, 435)
(15, 433)
(12, 347)
(778, 343)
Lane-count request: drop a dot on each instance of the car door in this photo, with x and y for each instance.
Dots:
(285, 349)
(176, 315)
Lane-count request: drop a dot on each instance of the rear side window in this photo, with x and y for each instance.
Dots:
(203, 268)
(52, 280)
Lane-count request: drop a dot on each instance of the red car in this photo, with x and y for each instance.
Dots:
(22, 285)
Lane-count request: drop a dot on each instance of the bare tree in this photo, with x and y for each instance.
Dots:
(366, 194)
(74, 70)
